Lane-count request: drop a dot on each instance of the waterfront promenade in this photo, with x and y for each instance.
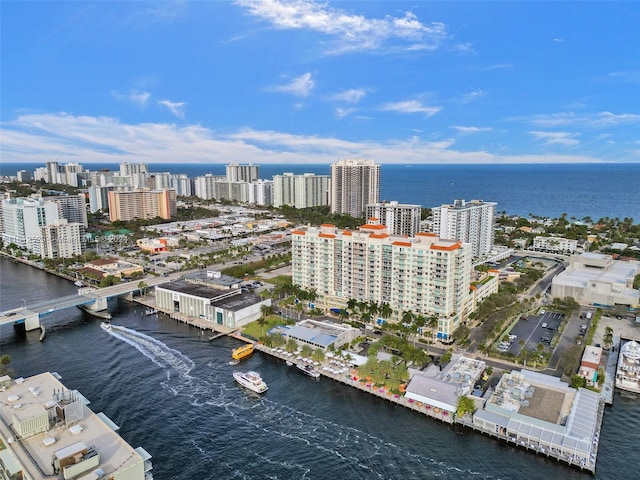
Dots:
(343, 373)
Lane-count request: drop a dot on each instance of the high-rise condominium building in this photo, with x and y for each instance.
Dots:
(73, 208)
(63, 240)
(142, 203)
(22, 219)
(401, 219)
(354, 184)
(301, 191)
(424, 274)
(127, 168)
(470, 222)
(261, 192)
(242, 173)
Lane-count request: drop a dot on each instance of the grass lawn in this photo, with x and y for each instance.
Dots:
(280, 279)
(254, 330)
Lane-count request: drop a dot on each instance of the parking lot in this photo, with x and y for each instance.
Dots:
(535, 329)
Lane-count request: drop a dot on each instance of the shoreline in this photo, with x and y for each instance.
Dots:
(346, 378)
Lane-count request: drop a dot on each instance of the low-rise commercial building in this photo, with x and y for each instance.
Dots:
(104, 267)
(590, 364)
(318, 334)
(597, 279)
(212, 297)
(442, 389)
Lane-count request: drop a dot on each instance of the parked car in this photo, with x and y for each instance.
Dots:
(545, 340)
(544, 325)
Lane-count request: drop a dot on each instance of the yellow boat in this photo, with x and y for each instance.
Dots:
(241, 352)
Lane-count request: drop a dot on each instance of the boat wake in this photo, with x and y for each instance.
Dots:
(155, 350)
(325, 442)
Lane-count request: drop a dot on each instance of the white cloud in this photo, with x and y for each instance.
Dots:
(463, 129)
(592, 120)
(625, 76)
(353, 95)
(134, 96)
(300, 86)
(473, 95)
(558, 40)
(411, 106)
(556, 138)
(350, 32)
(177, 108)
(344, 112)
(140, 98)
(85, 139)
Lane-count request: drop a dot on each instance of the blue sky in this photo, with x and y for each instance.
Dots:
(271, 81)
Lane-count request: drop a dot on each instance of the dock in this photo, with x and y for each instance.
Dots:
(342, 373)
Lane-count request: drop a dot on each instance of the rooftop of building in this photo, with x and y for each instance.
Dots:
(32, 397)
(196, 290)
(592, 354)
(313, 331)
(456, 379)
(537, 396)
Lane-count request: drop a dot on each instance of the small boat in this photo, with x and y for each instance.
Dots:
(241, 352)
(234, 362)
(106, 326)
(78, 284)
(289, 363)
(308, 370)
(150, 311)
(251, 380)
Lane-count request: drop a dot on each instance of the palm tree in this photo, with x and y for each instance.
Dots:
(262, 321)
(306, 351)
(352, 305)
(318, 355)
(142, 287)
(291, 345)
(385, 310)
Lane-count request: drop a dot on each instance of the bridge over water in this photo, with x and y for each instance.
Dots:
(94, 299)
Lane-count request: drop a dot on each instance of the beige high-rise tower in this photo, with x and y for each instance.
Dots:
(355, 183)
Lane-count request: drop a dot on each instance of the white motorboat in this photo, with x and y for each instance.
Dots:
(289, 363)
(308, 370)
(251, 380)
(105, 326)
(78, 284)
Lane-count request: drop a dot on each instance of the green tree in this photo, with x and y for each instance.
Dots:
(318, 355)
(607, 338)
(465, 405)
(291, 345)
(306, 351)
(143, 288)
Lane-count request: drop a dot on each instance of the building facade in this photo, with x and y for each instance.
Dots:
(142, 203)
(73, 208)
(424, 274)
(401, 219)
(242, 173)
(355, 183)
(554, 245)
(22, 219)
(469, 222)
(63, 240)
(301, 191)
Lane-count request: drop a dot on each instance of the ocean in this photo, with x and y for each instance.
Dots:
(579, 190)
(171, 391)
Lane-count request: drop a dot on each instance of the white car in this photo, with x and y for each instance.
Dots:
(544, 325)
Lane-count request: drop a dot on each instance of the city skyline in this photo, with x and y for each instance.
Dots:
(267, 81)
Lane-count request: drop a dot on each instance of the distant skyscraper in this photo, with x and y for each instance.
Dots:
(24, 176)
(399, 218)
(142, 203)
(354, 184)
(301, 191)
(470, 222)
(242, 173)
(127, 168)
(181, 184)
(261, 192)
